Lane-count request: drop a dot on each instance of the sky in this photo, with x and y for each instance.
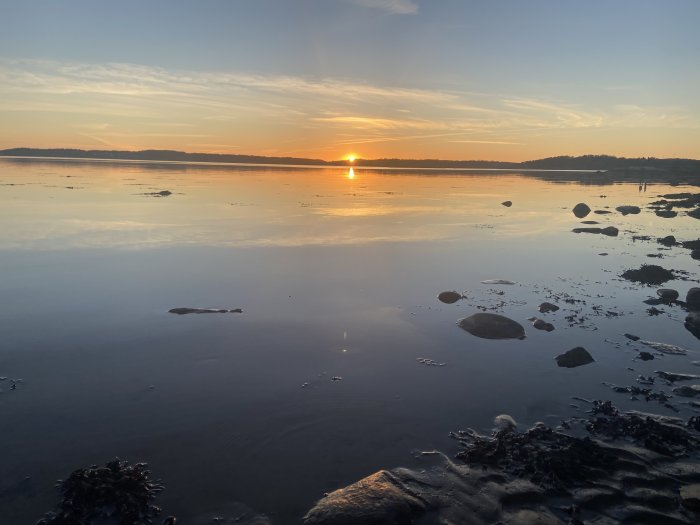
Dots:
(453, 79)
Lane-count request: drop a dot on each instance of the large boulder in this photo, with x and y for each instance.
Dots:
(692, 323)
(492, 326)
(578, 356)
(581, 210)
(449, 297)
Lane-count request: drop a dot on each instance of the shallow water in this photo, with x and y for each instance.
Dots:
(337, 274)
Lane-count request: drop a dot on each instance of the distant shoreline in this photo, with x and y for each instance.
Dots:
(584, 163)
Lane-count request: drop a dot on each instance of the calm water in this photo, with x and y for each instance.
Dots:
(337, 274)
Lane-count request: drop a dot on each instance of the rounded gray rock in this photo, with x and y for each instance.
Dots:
(667, 294)
(492, 326)
(581, 210)
(692, 298)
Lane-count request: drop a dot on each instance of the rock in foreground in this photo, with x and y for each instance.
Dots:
(492, 326)
(626, 210)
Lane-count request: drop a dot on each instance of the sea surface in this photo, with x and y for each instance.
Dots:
(318, 382)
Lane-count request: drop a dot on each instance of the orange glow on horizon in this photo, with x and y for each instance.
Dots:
(351, 157)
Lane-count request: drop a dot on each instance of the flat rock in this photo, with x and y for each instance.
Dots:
(627, 210)
(602, 212)
(695, 214)
(492, 326)
(581, 210)
(666, 214)
(184, 311)
(687, 390)
(610, 231)
(449, 297)
(673, 377)
(590, 222)
(497, 281)
(578, 356)
(664, 348)
(669, 240)
(507, 204)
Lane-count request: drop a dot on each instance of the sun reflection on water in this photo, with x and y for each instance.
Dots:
(351, 173)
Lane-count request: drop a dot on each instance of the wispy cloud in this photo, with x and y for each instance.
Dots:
(133, 106)
(397, 7)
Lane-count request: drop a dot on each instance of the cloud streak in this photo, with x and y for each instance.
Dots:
(394, 7)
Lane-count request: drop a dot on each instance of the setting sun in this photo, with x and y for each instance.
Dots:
(351, 157)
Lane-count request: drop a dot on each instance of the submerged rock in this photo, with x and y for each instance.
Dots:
(581, 210)
(626, 210)
(507, 204)
(610, 231)
(687, 390)
(449, 297)
(666, 214)
(695, 254)
(578, 356)
(547, 307)
(492, 326)
(184, 311)
(602, 212)
(497, 281)
(669, 240)
(649, 274)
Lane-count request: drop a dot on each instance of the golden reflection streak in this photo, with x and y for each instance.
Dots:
(351, 173)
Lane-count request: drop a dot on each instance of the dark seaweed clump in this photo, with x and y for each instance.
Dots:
(545, 457)
(649, 274)
(118, 492)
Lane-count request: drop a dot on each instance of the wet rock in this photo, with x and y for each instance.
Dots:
(590, 222)
(492, 326)
(645, 356)
(695, 214)
(627, 210)
(687, 390)
(664, 348)
(578, 356)
(666, 214)
(449, 297)
(691, 245)
(602, 212)
(667, 294)
(690, 497)
(507, 204)
(504, 422)
(669, 240)
(581, 210)
(649, 274)
(164, 193)
(695, 254)
(382, 497)
(673, 377)
(610, 231)
(543, 325)
(692, 298)
(184, 311)
(547, 307)
(497, 281)
(692, 323)
(632, 337)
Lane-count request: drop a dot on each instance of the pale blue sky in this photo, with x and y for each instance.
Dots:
(511, 79)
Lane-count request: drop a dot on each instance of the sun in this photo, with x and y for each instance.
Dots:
(351, 157)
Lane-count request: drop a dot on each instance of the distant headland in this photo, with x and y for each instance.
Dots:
(583, 162)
